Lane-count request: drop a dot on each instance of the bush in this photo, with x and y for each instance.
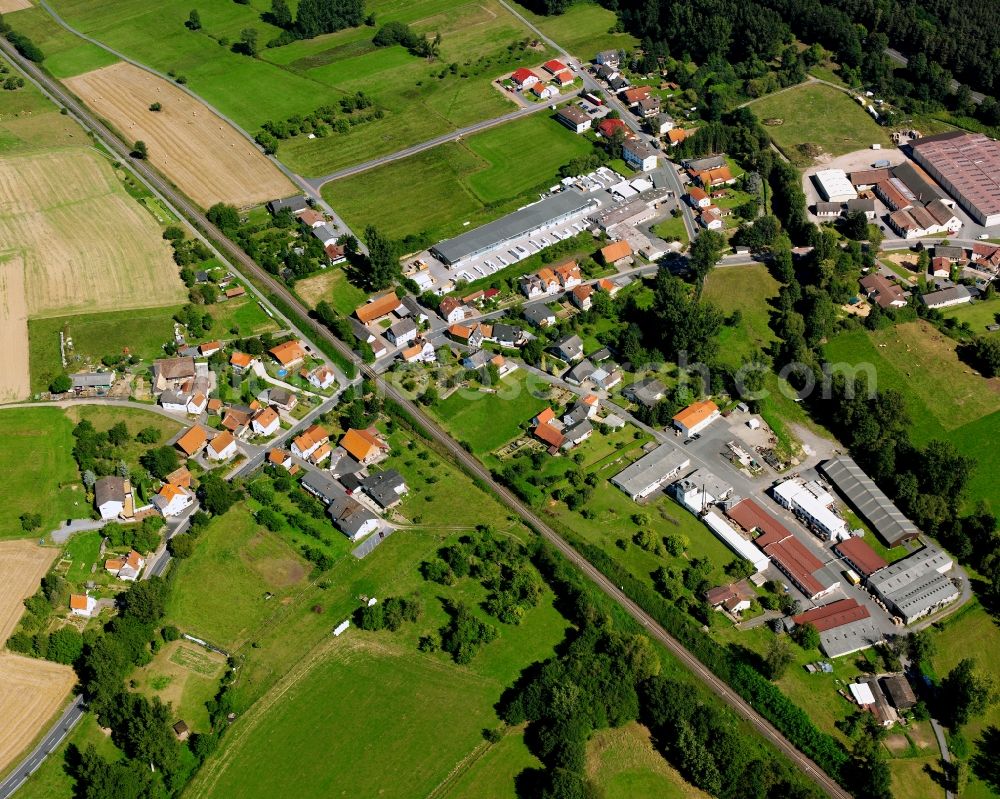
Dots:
(170, 633)
(60, 384)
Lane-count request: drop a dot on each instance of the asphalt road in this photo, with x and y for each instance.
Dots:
(902, 60)
(195, 216)
(53, 738)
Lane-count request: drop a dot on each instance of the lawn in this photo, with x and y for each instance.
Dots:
(584, 29)
(331, 285)
(459, 185)
(672, 229)
(242, 314)
(749, 290)
(185, 676)
(492, 775)
(242, 563)
(817, 116)
(971, 632)
(39, 474)
(977, 314)
(65, 54)
(84, 550)
(486, 420)
(624, 764)
(419, 99)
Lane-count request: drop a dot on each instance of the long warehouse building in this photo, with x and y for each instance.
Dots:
(916, 585)
(544, 214)
(967, 165)
(869, 500)
(651, 471)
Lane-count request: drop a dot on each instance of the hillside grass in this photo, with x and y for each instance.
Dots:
(750, 290)
(820, 116)
(583, 29)
(459, 185)
(66, 55)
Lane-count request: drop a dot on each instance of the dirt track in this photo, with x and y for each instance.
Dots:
(22, 566)
(202, 154)
(31, 692)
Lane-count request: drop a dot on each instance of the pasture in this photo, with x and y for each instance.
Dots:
(489, 420)
(807, 117)
(31, 692)
(624, 764)
(22, 566)
(459, 185)
(332, 286)
(65, 53)
(29, 122)
(584, 29)
(242, 563)
(47, 482)
(419, 98)
(202, 154)
(186, 676)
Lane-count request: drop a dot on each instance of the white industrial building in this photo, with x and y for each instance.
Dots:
(834, 185)
(736, 542)
(651, 472)
(916, 585)
(812, 502)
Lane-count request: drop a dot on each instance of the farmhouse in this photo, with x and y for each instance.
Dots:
(945, 298)
(82, 605)
(544, 214)
(789, 554)
(112, 496)
(811, 503)
(844, 626)
(365, 446)
(639, 155)
(967, 165)
(869, 696)
(170, 373)
(386, 488)
(860, 557)
(899, 691)
(868, 500)
(834, 186)
(192, 442)
(651, 472)
(916, 585)
(882, 291)
(733, 598)
(289, 354)
(377, 307)
(574, 118)
(696, 417)
(351, 517)
(171, 499)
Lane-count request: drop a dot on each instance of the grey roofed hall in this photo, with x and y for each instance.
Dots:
(92, 379)
(651, 471)
(484, 238)
(851, 637)
(868, 499)
(109, 489)
(293, 204)
(946, 295)
(322, 486)
(349, 515)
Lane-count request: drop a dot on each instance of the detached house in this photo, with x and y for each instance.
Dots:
(266, 422)
(322, 377)
(192, 442)
(524, 78)
(569, 348)
(453, 310)
(111, 496)
(544, 91)
(82, 605)
(639, 155)
(402, 332)
(617, 253)
(568, 274)
(172, 499)
(352, 518)
(240, 362)
(308, 442)
(365, 446)
(289, 354)
(386, 488)
(127, 568)
(574, 118)
(580, 297)
(222, 447)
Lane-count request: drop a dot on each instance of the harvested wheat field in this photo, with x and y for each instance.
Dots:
(31, 692)
(22, 566)
(14, 368)
(7, 6)
(207, 159)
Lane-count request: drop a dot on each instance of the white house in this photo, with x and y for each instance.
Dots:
(452, 310)
(421, 352)
(322, 377)
(110, 496)
(402, 332)
(222, 447)
(197, 404)
(172, 499)
(265, 422)
(82, 605)
(127, 568)
(174, 401)
(696, 417)
(308, 442)
(544, 91)
(639, 155)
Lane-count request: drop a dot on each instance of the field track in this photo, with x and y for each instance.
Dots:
(31, 692)
(22, 566)
(14, 369)
(207, 159)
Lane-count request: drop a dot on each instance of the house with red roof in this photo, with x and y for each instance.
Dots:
(554, 66)
(524, 78)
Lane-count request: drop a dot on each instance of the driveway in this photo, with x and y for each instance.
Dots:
(63, 533)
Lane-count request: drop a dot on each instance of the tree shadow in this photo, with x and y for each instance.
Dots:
(939, 774)
(986, 761)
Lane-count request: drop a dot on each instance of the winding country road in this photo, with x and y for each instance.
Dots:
(195, 216)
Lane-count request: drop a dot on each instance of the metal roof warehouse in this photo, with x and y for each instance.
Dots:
(651, 471)
(547, 212)
(869, 500)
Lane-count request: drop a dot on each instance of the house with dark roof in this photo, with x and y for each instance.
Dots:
(569, 348)
(351, 517)
(539, 314)
(647, 391)
(386, 488)
(882, 291)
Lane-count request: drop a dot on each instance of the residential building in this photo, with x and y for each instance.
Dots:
(311, 218)
(296, 205)
(172, 500)
(174, 401)
(170, 373)
(574, 118)
(634, 95)
(322, 377)
(307, 442)
(322, 486)
(543, 91)
(581, 297)
(385, 488)
(554, 67)
(277, 457)
(608, 58)
(209, 348)
(940, 267)
(945, 298)
(222, 447)
(639, 155)
(568, 274)
(402, 332)
(696, 417)
(82, 605)
(733, 598)
(508, 336)
(698, 197)
(651, 472)
(828, 210)
(110, 496)
(711, 218)
(352, 518)
(882, 291)
(865, 205)
(289, 353)
(715, 176)
(576, 434)
(180, 477)
(410, 305)
(701, 489)
(564, 78)
(127, 568)
(365, 446)
(539, 314)
(421, 352)
(569, 348)
(197, 403)
(550, 435)
(320, 454)
(335, 254)
(580, 373)
(240, 362)
(676, 135)
(609, 127)
(648, 107)
(282, 398)
(616, 254)
(524, 78)
(663, 124)
(266, 422)
(453, 310)
(648, 391)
